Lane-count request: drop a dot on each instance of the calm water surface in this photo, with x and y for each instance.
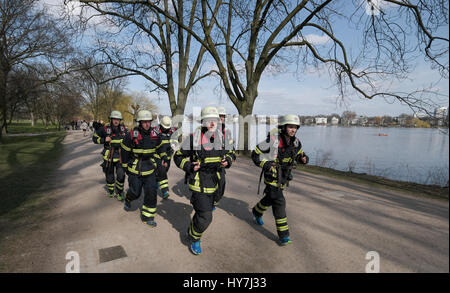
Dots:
(408, 154)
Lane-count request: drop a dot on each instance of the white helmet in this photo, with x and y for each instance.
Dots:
(115, 115)
(222, 110)
(166, 122)
(290, 119)
(210, 112)
(144, 115)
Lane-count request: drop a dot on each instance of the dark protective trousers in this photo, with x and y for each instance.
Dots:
(115, 177)
(273, 197)
(162, 178)
(148, 183)
(222, 182)
(203, 204)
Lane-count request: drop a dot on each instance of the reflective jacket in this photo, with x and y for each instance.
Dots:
(208, 150)
(141, 151)
(168, 141)
(116, 134)
(277, 152)
(229, 142)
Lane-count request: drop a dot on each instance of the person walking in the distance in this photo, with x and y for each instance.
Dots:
(84, 126)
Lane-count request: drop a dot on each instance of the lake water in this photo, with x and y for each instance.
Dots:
(408, 154)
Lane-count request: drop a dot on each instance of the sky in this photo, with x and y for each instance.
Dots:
(313, 94)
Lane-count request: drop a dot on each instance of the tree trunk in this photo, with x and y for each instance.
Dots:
(245, 110)
(33, 119)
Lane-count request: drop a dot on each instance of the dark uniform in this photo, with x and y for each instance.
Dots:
(167, 141)
(111, 156)
(228, 142)
(281, 154)
(141, 157)
(208, 151)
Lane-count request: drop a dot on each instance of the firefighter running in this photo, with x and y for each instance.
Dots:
(277, 156)
(141, 156)
(228, 141)
(166, 131)
(202, 156)
(111, 136)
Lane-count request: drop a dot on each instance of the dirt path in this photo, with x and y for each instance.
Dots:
(333, 225)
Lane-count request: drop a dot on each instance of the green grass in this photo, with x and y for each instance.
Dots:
(24, 126)
(433, 191)
(25, 163)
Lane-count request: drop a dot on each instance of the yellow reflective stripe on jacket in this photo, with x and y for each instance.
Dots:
(274, 183)
(300, 152)
(143, 151)
(165, 141)
(258, 151)
(125, 147)
(183, 162)
(205, 190)
(262, 163)
(213, 160)
(116, 141)
(287, 160)
(197, 179)
(98, 137)
(105, 157)
(194, 188)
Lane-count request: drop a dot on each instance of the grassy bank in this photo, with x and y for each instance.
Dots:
(24, 126)
(433, 191)
(25, 166)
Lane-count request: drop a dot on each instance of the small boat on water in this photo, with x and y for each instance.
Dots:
(381, 134)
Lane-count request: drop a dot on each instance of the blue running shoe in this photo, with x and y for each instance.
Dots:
(151, 223)
(165, 195)
(195, 247)
(258, 219)
(213, 209)
(126, 205)
(285, 241)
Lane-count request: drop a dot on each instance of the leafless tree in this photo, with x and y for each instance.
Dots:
(29, 38)
(249, 38)
(139, 101)
(143, 42)
(101, 85)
